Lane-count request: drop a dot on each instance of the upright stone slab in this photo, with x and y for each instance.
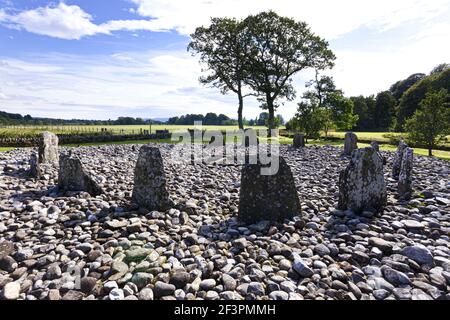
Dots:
(299, 140)
(405, 176)
(73, 177)
(350, 143)
(267, 197)
(150, 180)
(48, 148)
(375, 145)
(397, 164)
(35, 168)
(361, 184)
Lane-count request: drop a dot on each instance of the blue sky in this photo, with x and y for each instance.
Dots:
(107, 58)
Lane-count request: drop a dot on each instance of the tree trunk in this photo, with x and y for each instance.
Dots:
(430, 151)
(241, 106)
(271, 120)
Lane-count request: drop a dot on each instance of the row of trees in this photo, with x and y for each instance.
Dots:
(390, 109)
(208, 119)
(17, 119)
(258, 56)
(323, 107)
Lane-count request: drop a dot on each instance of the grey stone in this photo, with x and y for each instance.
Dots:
(299, 140)
(229, 283)
(375, 145)
(256, 288)
(395, 277)
(163, 289)
(116, 294)
(267, 197)
(279, 295)
(149, 189)
(73, 177)
(419, 254)
(397, 162)
(35, 170)
(405, 176)
(350, 143)
(48, 148)
(361, 184)
(146, 294)
(302, 268)
(11, 291)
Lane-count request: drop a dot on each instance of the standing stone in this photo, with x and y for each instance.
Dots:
(350, 143)
(267, 197)
(405, 176)
(361, 184)
(397, 164)
(73, 177)
(299, 140)
(150, 180)
(48, 148)
(35, 168)
(375, 145)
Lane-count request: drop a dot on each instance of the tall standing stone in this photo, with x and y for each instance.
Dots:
(299, 140)
(150, 180)
(35, 168)
(350, 143)
(73, 177)
(375, 145)
(267, 197)
(397, 164)
(361, 184)
(48, 148)
(405, 176)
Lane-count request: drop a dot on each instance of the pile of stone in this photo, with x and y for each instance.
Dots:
(77, 246)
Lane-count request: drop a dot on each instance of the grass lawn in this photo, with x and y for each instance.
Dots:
(375, 136)
(31, 131)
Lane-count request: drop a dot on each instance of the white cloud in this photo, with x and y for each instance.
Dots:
(68, 22)
(329, 18)
(62, 21)
(152, 84)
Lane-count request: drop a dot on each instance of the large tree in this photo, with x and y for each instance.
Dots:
(342, 111)
(384, 113)
(411, 99)
(223, 50)
(279, 48)
(400, 87)
(431, 122)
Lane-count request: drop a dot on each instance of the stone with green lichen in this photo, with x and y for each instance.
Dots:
(361, 184)
(137, 255)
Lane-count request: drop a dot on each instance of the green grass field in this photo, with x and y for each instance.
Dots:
(33, 131)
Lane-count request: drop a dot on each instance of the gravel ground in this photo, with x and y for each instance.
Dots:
(75, 246)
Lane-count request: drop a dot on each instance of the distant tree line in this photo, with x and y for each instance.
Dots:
(325, 107)
(210, 119)
(17, 119)
(389, 110)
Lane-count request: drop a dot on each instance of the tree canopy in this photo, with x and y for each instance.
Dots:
(279, 47)
(431, 122)
(223, 49)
